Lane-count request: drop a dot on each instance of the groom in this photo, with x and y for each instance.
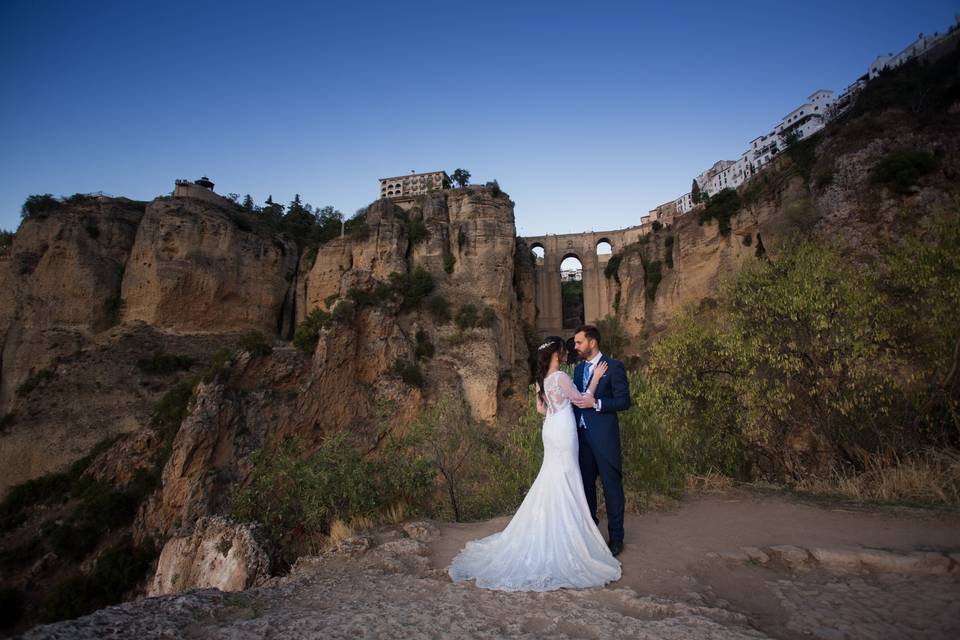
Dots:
(598, 430)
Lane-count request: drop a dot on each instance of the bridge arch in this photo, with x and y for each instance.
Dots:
(598, 291)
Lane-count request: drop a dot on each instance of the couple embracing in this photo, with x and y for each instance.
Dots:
(553, 540)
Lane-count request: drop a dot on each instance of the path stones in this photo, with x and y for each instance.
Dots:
(848, 558)
(792, 556)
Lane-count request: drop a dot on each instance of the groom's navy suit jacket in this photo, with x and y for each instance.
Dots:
(603, 427)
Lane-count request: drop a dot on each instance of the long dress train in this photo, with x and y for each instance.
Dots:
(551, 542)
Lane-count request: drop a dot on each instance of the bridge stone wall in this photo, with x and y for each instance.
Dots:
(598, 292)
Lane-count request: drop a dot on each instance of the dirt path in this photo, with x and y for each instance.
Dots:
(735, 566)
(694, 553)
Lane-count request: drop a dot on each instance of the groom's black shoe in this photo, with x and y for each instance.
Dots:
(615, 546)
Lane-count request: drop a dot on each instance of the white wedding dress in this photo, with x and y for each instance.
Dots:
(551, 542)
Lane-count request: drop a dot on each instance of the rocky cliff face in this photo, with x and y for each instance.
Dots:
(182, 277)
(97, 291)
(824, 190)
(199, 268)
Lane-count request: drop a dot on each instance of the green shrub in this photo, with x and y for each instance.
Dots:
(115, 573)
(467, 316)
(164, 363)
(47, 489)
(448, 262)
(291, 492)
(803, 155)
(656, 226)
(487, 318)
(367, 298)
(167, 415)
(439, 308)
(760, 251)
(424, 348)
(613, 266)
(721, 207)
(809, 348)
(74, 542)
(39, 206)
(653, 461)
(460, 453)
(901, 169)
(310, 254)
(417, 231)
(122, 567)
(101, 508)
(344, 312)
(409, 372)
(219, 363)
(255, 343)
(412, 287)
(307, 333)
(668, 251)
(652, 274)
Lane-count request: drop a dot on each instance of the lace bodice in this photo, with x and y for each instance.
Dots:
(559, 390)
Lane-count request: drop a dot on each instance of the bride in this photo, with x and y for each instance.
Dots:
(552, 541)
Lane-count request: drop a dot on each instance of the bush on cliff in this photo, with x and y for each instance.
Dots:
(721, 207)
(811, 366)
(307, 333)
(297, 494)
(901, 169)
(118, 570)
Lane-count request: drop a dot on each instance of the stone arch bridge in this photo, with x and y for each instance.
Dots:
(597, 291)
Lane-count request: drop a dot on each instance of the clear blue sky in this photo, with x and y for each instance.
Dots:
(588, 114)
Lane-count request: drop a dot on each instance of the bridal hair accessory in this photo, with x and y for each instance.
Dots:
(544, 345)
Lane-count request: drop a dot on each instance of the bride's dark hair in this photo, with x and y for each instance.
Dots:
(550, 346)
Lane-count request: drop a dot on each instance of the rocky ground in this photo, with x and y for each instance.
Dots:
(732, 565)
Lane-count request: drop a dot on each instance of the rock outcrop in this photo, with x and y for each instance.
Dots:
(198, 267)
(219, 553)
(61, 282)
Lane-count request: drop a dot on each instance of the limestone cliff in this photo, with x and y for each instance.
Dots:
(113, 309)
(201, 268)
(825, 189)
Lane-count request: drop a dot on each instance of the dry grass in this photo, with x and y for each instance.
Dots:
(711, 482)
(395, 513)
(360, 523)
(931, 477)
(339, 531)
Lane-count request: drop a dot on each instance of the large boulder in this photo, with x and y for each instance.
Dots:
(219, 553)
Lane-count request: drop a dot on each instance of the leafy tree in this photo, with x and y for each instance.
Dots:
(791, 138)
(248, 203)
(695, 192)
(461, 177)
(271, 211)
(39, 205)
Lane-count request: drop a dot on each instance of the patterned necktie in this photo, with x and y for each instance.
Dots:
(583, 387)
